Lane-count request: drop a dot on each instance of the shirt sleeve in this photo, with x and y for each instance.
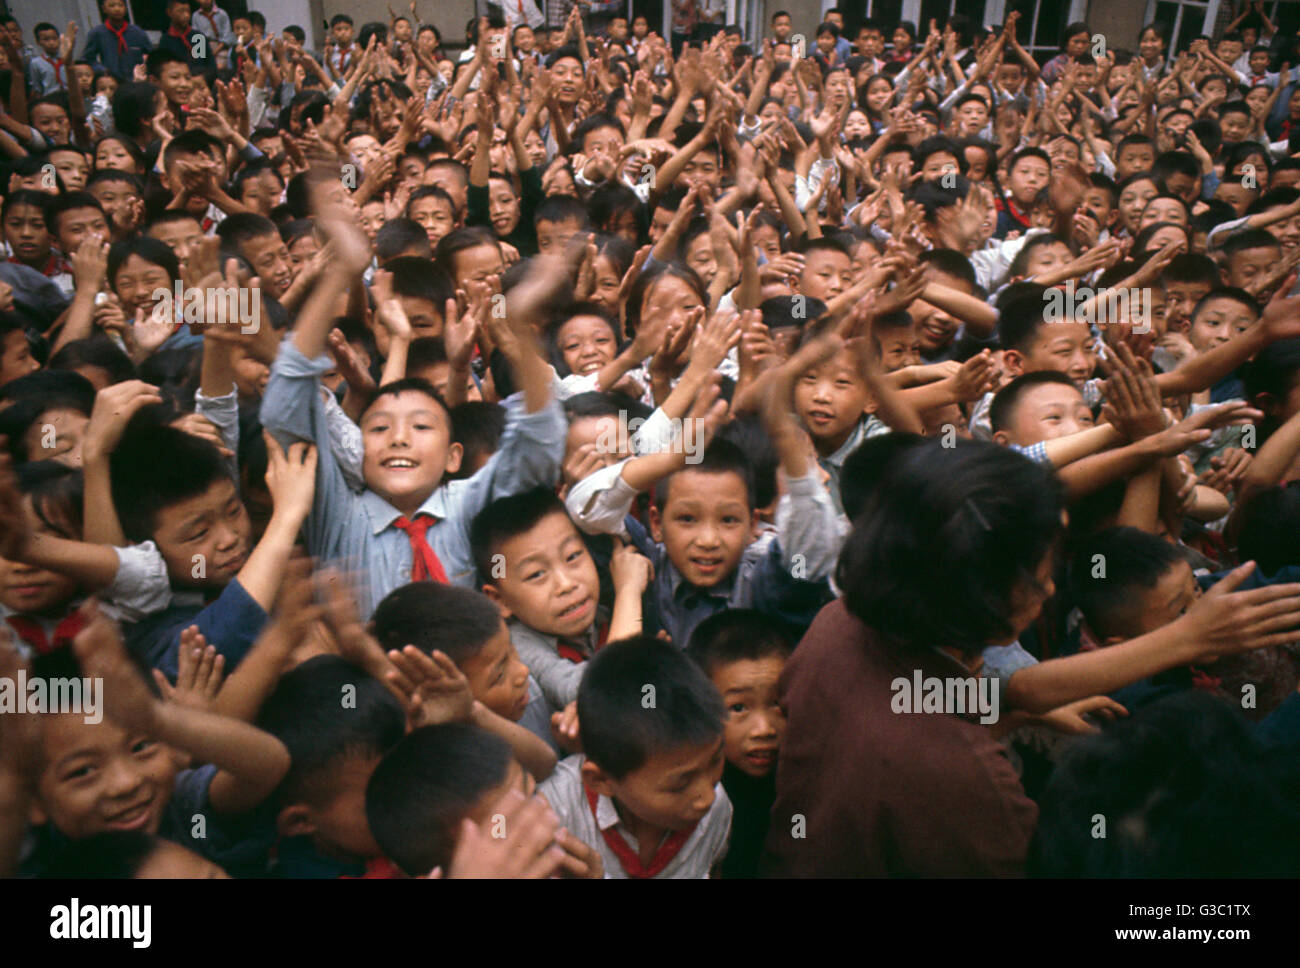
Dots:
(141, 585)
(807, 525)
(600, 502)
(556, 675)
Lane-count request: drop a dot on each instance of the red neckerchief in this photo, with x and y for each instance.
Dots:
(211, 23)
(31, 632)
(174, 31)
(119, 34)
(57, 64)
(628, 857)
(1009, 206)
(342, 59)
(567, 651)
(52, 268)
(1204, 681)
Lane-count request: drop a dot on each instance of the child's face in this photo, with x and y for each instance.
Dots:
(1174, 593)
(672, 789)
(1134, 158)
(554, 236)
(830, 400)
(825, 274)
(342, 34)
(503, 207)
(1218, 322)
(972, 116)
(670, 298)
(26, 233)
(586, 343)
(175, 81)
(181, 235)
(479, 263)
(111, 154)
(755, 723)
(1046, 412)
(705, 525)
(408, 448)
(72, 167)
(898, 348)
(497, 678)
(48, 41)
(303, 250)
(179, 13)
(1065, 347)
(35, 591)
(137, 282)
(16, 359)
(608, 282)
(261, 193)
(97, 777)
(75, 225)
(1259, 62)
(1245, 265)
(269, 257)
(425, 318)
(601, 433)
(336, 822)
(115, 9)
(435, 217)
(549, 581)
(1180, 299)
(204, 539)
(701, 258)
(56, 435)
(1045, 258)
(1236, 195)
(1235, 126)
(1029, 176)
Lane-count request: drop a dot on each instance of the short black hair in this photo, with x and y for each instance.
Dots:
(866, 466)
(416, 278)
(477, 426)
(1005, 401)
(721, 456)
(303, 712)
(736, 635)
(561, 208)
(1126, 559)
(1267, 528)
(237, 229)
(38, 393)
(1250, 239)
(431, 615)
(1021, 316)
(143, 485)
(1186, 790)
(67, 202)
(619, 729)
(426, 786)
(401, 235)
(98, 351)
(506, 518)
(993, 511)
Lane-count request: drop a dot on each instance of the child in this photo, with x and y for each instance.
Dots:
(405, 525)
(121, 773)
(538, 570)
(1028, 174)
(318, 805)
(428, 799)
(48, 72)
(645, 793)
(466, 627)
(116, 45)
(743, 654)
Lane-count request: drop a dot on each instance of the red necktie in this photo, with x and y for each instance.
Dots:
(629, 858)
(425, 565)
(32, 633)
(57, 64)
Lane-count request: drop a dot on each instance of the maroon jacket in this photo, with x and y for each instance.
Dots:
(882, 793)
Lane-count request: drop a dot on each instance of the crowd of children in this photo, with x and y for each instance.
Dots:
(547, 459)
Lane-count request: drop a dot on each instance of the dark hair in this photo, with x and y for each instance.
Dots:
(1250, 239)
(1005, 401)
(721, 456)
(108, 855)
(1132, 559)
(399, 235)
(303, 713)
(56, 205)
(735, 635)
(1185, 790)
(866, 466)
(143, 485)
(160, 57)
(237, 229)
(150, 250)
(647, 280)
(426, 785)
(459, 240)
(940, 144)
(1190, 267)
(561, 208)
(1239, 296)
(618, 731)
(431, 615)
(97, 351)
(506, 518)
(1020, 316)
(477, 426)
(994, 513)
(951, 263)
(38, 393)
(1267, 528)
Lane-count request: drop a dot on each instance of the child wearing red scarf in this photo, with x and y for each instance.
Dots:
(116, 45)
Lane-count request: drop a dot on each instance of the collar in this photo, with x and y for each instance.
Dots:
(721, 591)
(606, 813)
(174, 31)
(838, 458)
(382, 514)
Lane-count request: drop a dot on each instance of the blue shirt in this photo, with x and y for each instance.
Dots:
(102, 50)
(232, 623)
(357, 529)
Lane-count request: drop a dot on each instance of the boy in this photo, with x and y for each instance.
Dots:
(743, 654)
(434, 210)
(433, 792)
(115, 45)
(319, 811)
(557, 219)
(538, 570)
(467, 627)
(1028, 174)
(48, 72)
(406, 525)
(121, 773)
(645, 793)
(1249, 256)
